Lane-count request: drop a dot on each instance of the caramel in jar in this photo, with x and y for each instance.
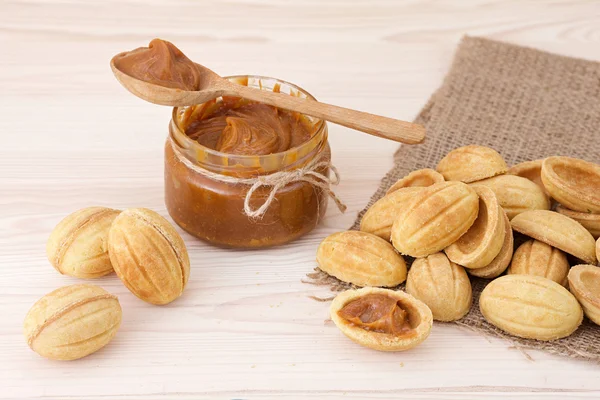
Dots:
(236, 138)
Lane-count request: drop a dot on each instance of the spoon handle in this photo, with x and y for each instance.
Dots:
(389, 128)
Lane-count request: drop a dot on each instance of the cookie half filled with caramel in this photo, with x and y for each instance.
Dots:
(382, 319)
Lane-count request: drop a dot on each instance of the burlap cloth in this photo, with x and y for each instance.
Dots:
(525, 103)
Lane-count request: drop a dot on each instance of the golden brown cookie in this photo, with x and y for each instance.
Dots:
(516, 194)
(540, 259)
(419, 178)
(573, 183)
(502, 260)
(471, 163)
(361, 259)
(589, 221)
(584, 283)
(531, 307)
(369, 318)
(72, 322)
(381, 215)
(441, 284)
(148, 255)
(558, 231)
(531, 170)
(78, 246)
(437, 217)
(484, 239)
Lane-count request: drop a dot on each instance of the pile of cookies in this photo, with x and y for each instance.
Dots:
(138, 244)
(458, 220)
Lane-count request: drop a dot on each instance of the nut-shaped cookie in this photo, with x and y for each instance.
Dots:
(148, 255)
(77, 245)
(589, 221)
(502, 260)
(381, 215)
(516, 194)
(558, 231)
(72, 322)
(484, 239)
(531, 307)
(419, 178)
(584, 283)
(438, 216)
(471, 163)
(531, 170)
(362, 259)
(573, 183)
(540, 259)
(442, 285)
(598, 250)
(376, 325)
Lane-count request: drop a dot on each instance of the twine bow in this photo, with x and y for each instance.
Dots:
(277, 180)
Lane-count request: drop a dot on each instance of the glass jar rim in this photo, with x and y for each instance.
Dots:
(192, 147)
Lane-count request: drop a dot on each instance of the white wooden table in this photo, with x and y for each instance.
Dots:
(71, 137)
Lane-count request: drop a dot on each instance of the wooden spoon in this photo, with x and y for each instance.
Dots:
(213, 86)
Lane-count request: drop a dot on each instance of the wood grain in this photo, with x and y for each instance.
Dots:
(71, 137)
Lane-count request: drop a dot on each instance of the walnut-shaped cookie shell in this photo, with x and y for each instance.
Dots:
(78, 246)
(531, 170)
(148, 255)
(531, 307)
(558, 231)
(362, 259)
(438, 216)
(540, 259)
(471, 163)
(72, 322)
(502, 260)
(380, 217)
(584, 283)
(516, 194)
(484, 239)
(589, 221)
(442, 285)
(418, 178)
(573, 183)
(418, 314)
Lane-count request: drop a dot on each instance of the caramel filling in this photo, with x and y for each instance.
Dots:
(377, 313)
(161, 63)
(229, 125)
(238, 126)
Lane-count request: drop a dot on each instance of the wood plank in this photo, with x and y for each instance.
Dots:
(70, 136)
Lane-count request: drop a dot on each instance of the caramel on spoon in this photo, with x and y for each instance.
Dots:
(162, 74)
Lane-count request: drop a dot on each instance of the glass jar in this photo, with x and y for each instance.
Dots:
(213, 210)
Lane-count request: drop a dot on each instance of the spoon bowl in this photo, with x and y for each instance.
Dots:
(166, 96)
